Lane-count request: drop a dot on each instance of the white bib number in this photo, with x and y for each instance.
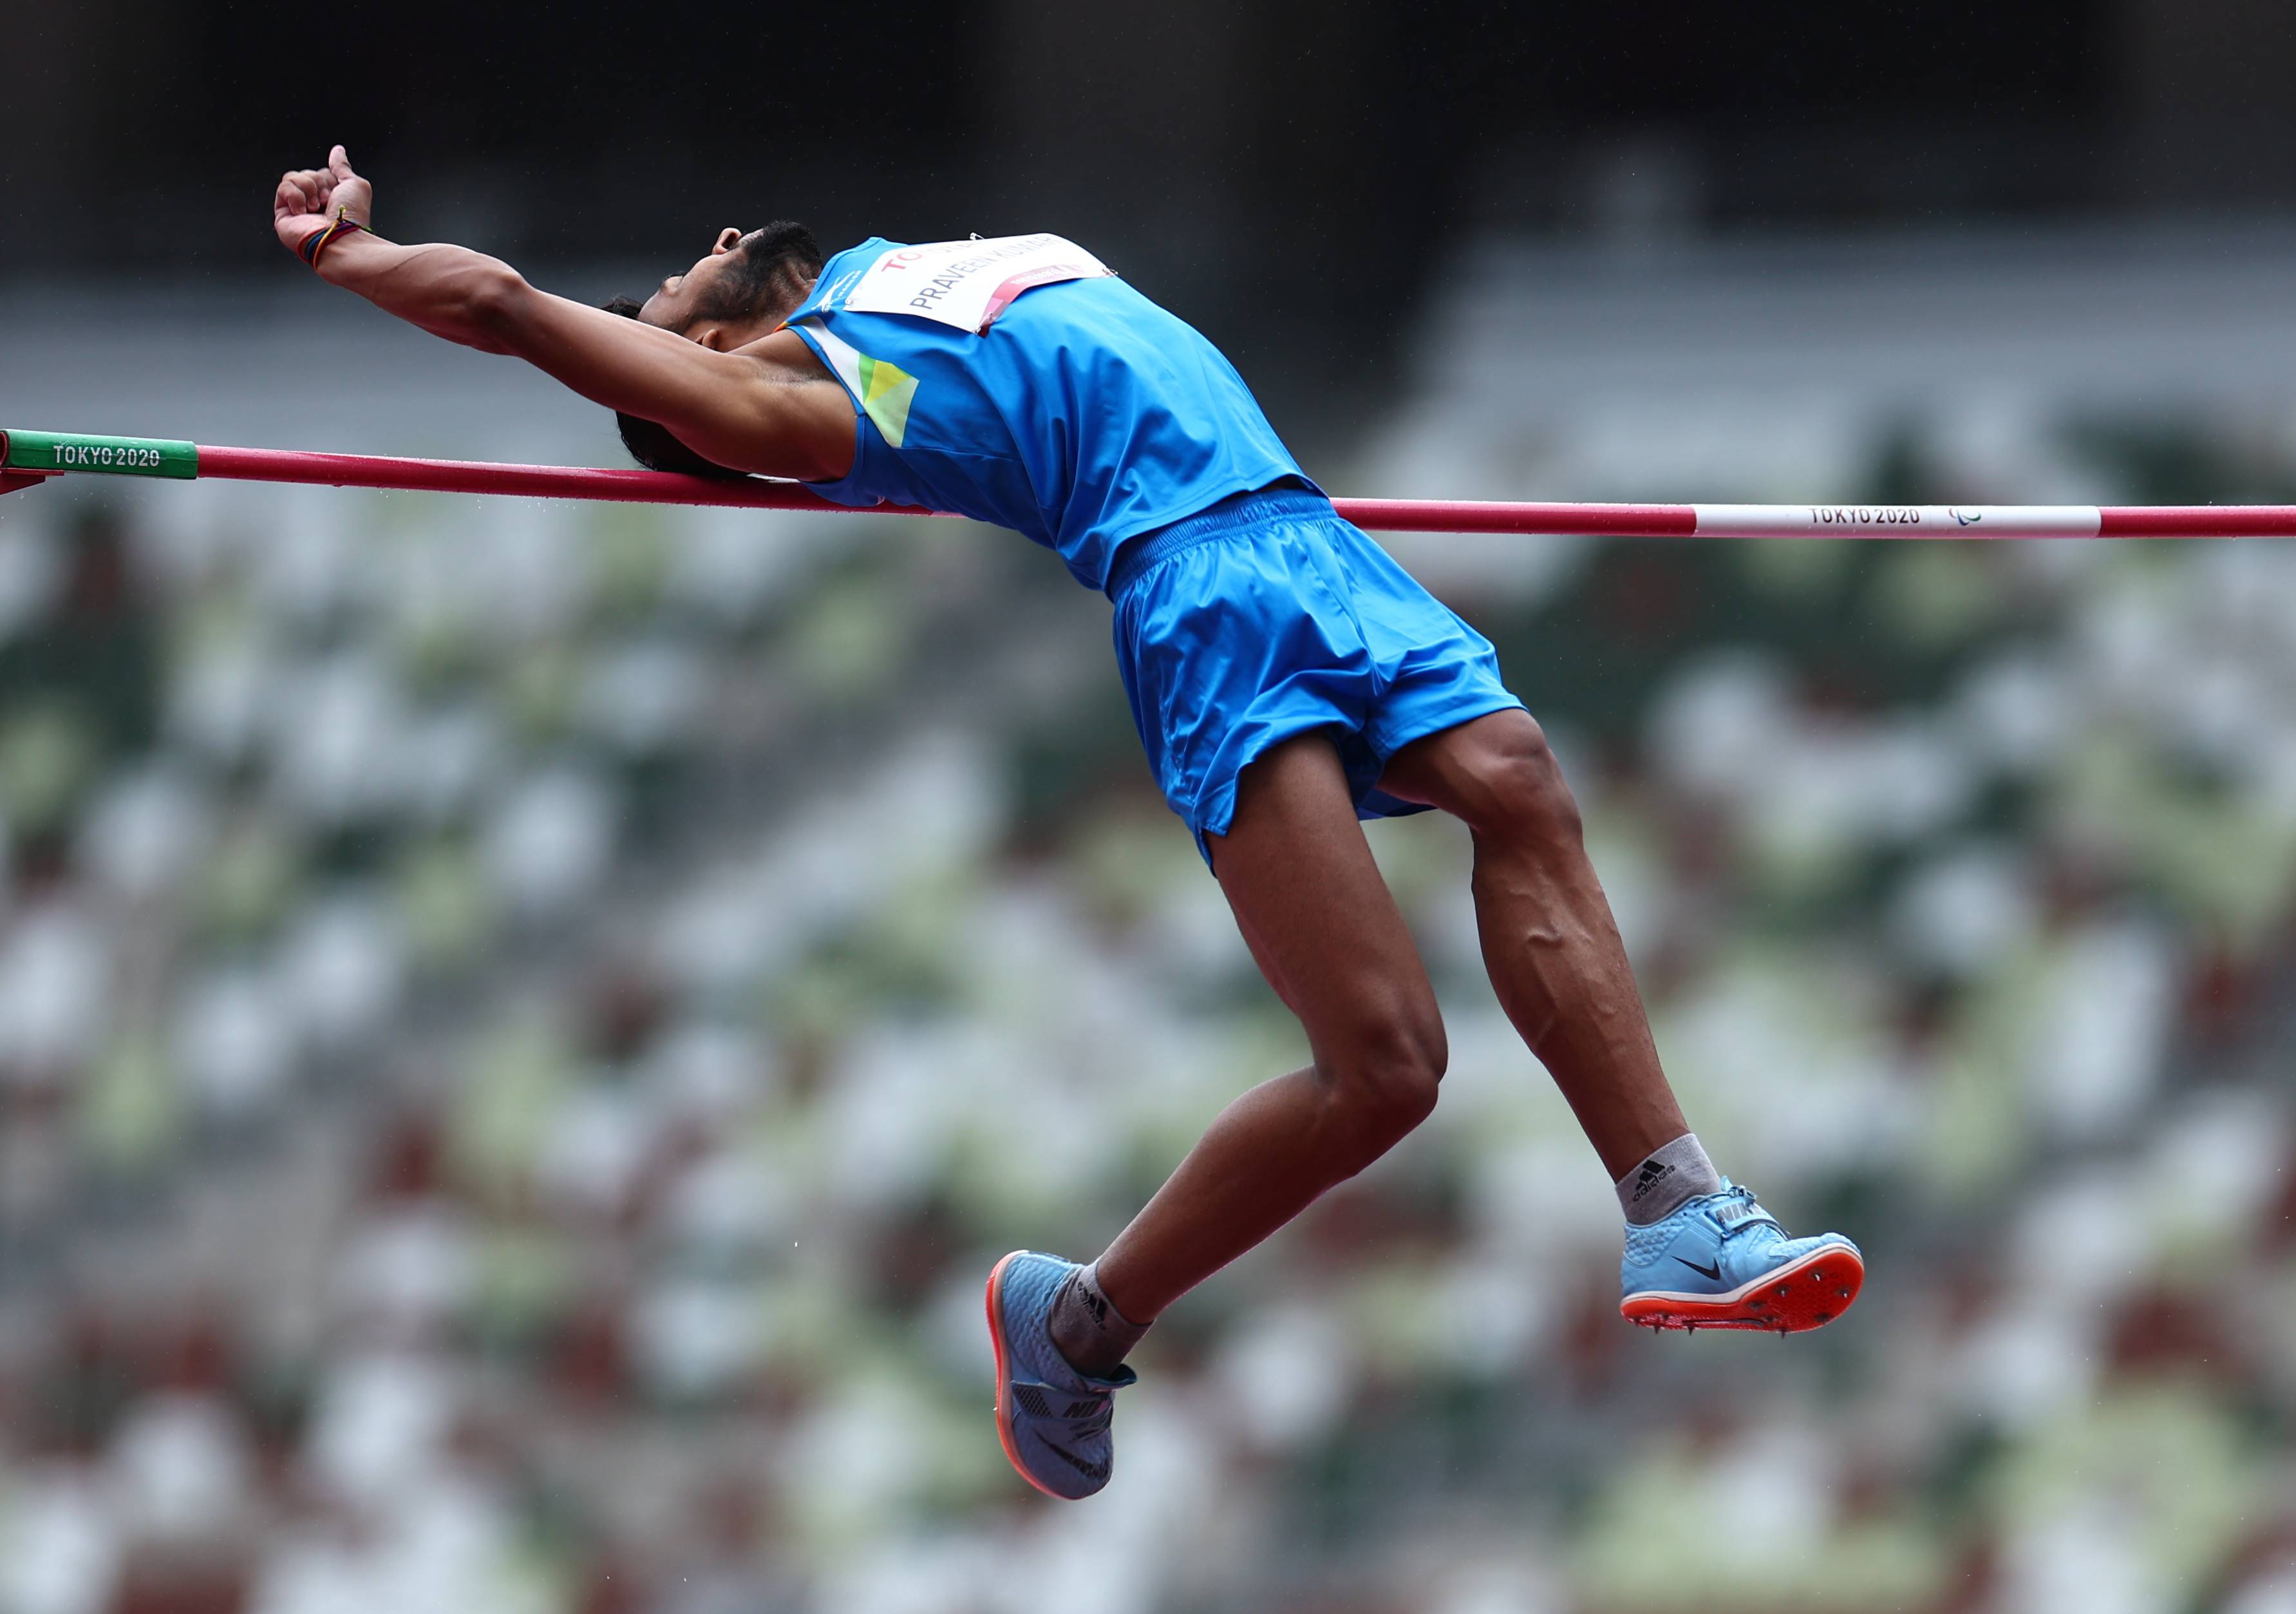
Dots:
(968, 283)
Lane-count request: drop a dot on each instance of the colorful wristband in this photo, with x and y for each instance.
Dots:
(312, 245)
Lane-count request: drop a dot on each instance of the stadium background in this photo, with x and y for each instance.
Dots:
(511, 1015)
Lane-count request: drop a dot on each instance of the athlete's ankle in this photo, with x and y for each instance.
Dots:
(1668, 1179)
(1090, 1334)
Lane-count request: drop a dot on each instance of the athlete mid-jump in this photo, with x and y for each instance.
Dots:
(1287, 678)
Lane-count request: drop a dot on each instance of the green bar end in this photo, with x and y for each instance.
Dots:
(47, 452)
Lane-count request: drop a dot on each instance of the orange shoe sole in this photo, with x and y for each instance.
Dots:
(1806, 1294)
(997, 1342)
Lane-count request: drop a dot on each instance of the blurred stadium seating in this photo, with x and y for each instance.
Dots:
(509, 1015)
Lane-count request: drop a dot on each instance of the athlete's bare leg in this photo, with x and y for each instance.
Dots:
(1326, 933)
(1549, 942)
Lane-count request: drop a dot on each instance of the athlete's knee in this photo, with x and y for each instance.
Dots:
(1385, 1076)
(1516, 789)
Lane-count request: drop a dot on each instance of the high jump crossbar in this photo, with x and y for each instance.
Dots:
(28, 458)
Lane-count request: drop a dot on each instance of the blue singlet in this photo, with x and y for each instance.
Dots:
(1086, 415)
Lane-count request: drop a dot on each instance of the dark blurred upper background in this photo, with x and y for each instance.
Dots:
(1287, 172)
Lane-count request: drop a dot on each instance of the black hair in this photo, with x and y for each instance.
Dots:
(770, 266)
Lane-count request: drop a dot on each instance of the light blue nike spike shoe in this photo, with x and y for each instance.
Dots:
(1052, 1420)
(1722, 1261)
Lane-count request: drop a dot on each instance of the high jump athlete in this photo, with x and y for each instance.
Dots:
(1287, 677)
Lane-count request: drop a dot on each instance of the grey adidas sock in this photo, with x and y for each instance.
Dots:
(1657, 1188)
(1092, 1335)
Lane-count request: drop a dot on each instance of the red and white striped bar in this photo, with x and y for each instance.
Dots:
(34, 457)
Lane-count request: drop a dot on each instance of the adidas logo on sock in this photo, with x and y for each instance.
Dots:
(1651, 1175)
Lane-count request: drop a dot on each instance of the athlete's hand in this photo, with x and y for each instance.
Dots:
(308, 198)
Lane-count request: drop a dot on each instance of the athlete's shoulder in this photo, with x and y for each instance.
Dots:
(876, 246)
(844, 270)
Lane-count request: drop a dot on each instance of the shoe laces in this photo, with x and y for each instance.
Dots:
(1756, 1216)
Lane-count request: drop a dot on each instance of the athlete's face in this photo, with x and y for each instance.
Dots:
(674, 302)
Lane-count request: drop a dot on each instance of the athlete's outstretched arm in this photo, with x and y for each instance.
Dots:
(768, 407)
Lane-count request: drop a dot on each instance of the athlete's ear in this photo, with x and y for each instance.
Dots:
(728, 239)
(712, 337)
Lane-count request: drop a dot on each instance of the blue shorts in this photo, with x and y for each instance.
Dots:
(1266, 617)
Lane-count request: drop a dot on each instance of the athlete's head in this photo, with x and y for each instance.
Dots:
(737, 291)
